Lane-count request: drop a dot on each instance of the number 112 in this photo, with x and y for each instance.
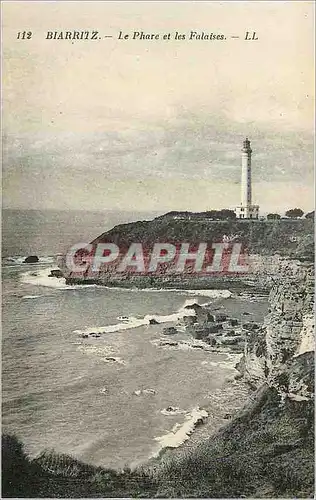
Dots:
(24, 35)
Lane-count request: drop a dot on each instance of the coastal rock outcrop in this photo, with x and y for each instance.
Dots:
(55, 273)
(31, 259)
(169, 330)
(287, 333)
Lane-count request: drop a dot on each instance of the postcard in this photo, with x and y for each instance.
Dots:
(158, 249)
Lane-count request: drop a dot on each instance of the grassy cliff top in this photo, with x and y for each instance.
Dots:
(286, 236)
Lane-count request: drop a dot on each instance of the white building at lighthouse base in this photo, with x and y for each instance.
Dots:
(247, 212)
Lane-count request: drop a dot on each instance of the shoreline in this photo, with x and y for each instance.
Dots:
(229, 401)
(184, 283)
(214, 421)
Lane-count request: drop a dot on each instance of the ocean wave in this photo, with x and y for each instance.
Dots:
(181, 433)
(31, 296)
(213, 294)
(134, 322)
(105, 353)
(41, 277)
(231, 361)
(182, 344)
(140, 392)
(99, 350)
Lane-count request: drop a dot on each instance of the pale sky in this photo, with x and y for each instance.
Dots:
(157, 124)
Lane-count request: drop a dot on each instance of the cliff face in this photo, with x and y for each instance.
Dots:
(267, 451)
(274, 354)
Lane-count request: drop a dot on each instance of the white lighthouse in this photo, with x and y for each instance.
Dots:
(246, 210)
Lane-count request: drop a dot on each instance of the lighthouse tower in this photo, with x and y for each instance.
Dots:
(246, 210)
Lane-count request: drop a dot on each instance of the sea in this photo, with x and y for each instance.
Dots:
(122, 396)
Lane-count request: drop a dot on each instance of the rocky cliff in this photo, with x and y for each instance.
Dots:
(268, 448)
(274, 353)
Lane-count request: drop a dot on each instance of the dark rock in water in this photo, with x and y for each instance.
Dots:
(227, 415)
(231, 341)
(202, 331)
(211, 341)
(233, 322)
(85, 335)
(31, 259)
(219, 333)
(189, 320)
(55, 273)
(171, 343)
(251, 326)
(170, 330)
(203, 316)
(214, 328)
(170, 408)
(193, 306)
(231, 333)
(199, 333)
(246, 313)
(153, 321)
(220, 317)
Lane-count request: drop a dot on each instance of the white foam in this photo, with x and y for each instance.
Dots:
(134, 322)
(105, 353)
(140, 392)
(297, 397)
(179, 434)
(30, 296)
(232, 360)
(41, 277)
(99, 350)
(182, 344)
(214, 294)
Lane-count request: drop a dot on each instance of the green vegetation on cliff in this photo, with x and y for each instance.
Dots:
(292, 238)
